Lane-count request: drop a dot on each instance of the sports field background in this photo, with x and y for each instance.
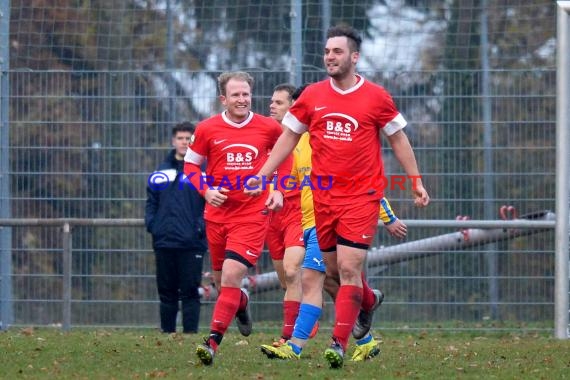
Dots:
(90, 90)
(142, 353)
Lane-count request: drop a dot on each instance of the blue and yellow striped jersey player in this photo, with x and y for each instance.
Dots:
(314, 279)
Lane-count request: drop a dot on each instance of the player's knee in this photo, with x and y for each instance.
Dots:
(232, 278)
(349, 274)
(292, 276)
(331, 287)
(332, 273)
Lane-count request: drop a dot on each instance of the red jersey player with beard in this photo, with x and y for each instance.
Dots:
(234, 144)
(344, 116)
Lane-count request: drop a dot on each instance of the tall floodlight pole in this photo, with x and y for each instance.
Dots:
(562, 167)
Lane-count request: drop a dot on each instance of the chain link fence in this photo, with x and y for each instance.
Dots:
(91, 89)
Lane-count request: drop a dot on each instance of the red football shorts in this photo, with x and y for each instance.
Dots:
(355, 223)
(244, 238)
(285, 228)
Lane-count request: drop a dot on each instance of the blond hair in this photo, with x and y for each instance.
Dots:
(224, 78)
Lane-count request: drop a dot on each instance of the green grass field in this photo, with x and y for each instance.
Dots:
(136, 354)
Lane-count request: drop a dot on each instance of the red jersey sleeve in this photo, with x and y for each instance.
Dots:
(298, 118)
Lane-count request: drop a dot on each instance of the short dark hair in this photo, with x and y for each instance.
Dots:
(184, 126)
(299, 91)
(354, 39)
(287, 87)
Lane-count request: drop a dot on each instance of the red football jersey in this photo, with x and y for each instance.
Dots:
(233, 152)
(344, 128)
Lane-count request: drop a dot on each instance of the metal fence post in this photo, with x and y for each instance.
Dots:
(296, 73)
(6, 308)
(66, 283)
(562, 175)
(172, 111)
(325, 17)
(491, 257)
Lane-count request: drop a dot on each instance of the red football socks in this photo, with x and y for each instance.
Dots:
(347, 307)
(225, 309)
(290, 313)
(368, 297)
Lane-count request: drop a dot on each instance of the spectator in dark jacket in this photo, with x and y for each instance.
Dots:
(174, 217)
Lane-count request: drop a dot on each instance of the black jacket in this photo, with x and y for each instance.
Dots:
(174, 212)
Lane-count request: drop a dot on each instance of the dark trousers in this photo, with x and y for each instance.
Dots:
(178, 278)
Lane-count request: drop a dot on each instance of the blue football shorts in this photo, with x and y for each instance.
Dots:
(313, 256)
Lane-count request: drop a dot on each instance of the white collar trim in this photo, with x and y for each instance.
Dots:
(358, 84)
(237, 125)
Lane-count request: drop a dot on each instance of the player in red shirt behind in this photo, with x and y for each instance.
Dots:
(235, 145)
(284, 240)
(344, 116)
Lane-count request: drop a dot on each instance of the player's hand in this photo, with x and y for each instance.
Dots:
(274, 201)
(216, 197)
(421, 196)
(253, 186)
(397, 229)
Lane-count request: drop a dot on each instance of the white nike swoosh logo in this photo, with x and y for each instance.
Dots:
(366, 236)
(248, 252)
(320, 108)
(216, 142)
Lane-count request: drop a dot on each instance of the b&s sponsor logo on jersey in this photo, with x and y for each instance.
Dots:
(240, 156)
(339, 126)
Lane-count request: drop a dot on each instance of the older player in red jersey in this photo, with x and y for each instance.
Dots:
(344, 116)
(235, 145)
